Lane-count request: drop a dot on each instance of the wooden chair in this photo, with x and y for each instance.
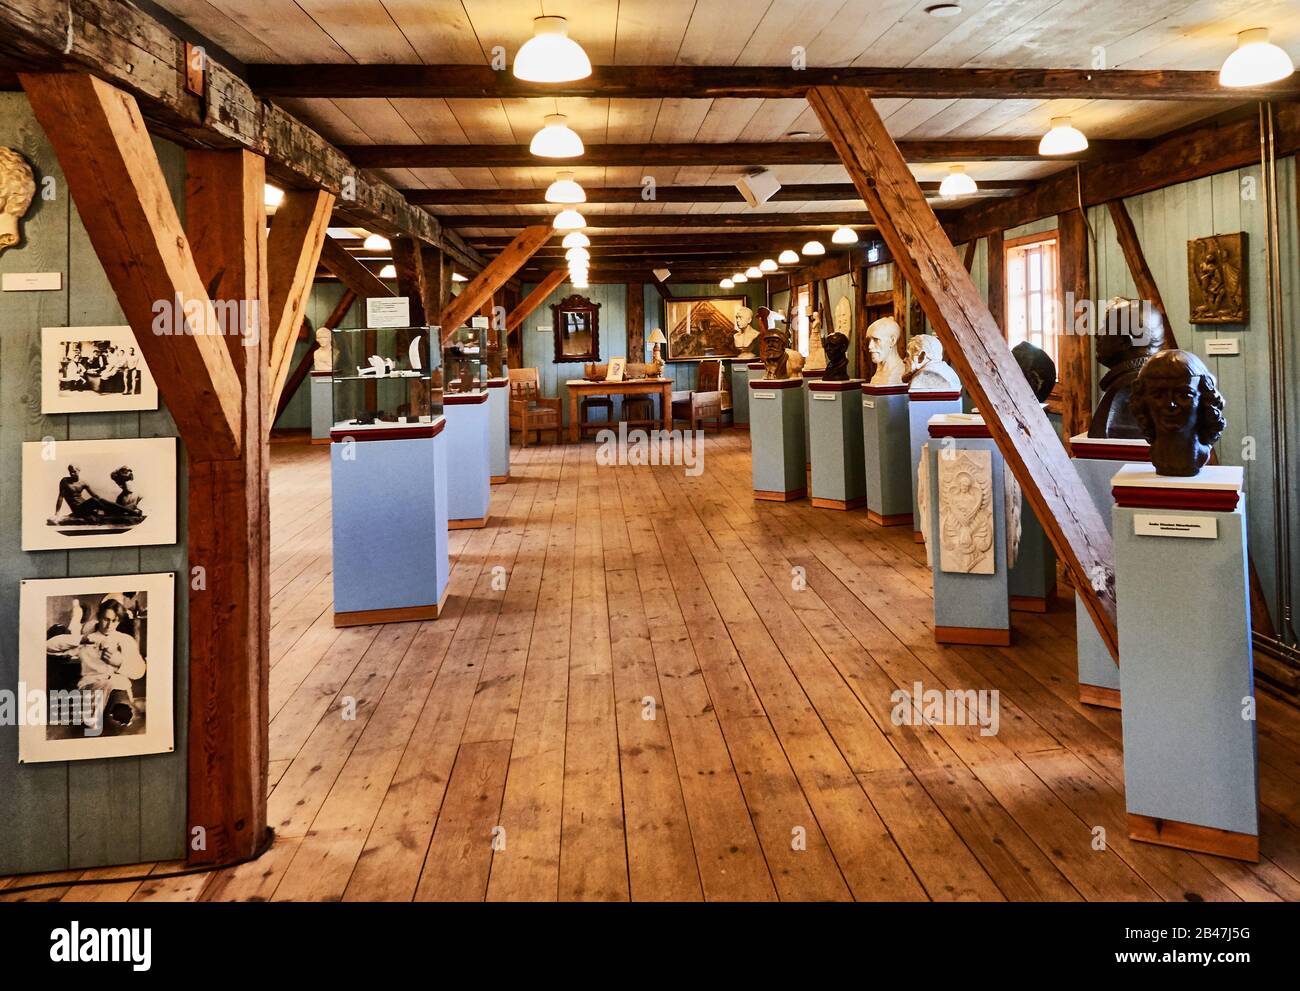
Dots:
(530, 411)
(705, 401)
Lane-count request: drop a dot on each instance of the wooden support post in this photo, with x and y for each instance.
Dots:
(113, 174)
(229, 530)
(635, 312)
(533, 300)
(293, 251)
(975, 347)
(351, 272)
(1074, 357)
(968, 261)
(997, 280)
(498, 272)
(420, 278)
(1126, 235)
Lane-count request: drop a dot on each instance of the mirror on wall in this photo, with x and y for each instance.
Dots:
(576, 324)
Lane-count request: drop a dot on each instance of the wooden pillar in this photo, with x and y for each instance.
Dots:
(1074, 357)
(997, 280)
(498, 272)
(635, 311)
(408, 260)
(1135, 259)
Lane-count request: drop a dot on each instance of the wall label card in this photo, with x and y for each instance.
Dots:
(479, 323)
(826, 397)
(763, 395)
(868, 404)
(388, 311)
(1152, 525)
(1221, 346)
(32, 281)
(543, 328)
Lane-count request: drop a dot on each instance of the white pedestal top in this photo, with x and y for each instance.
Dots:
(1229, 478)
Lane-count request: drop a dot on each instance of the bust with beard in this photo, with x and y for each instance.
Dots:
(1133, 332)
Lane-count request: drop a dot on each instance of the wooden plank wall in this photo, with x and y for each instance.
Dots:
(82, 813)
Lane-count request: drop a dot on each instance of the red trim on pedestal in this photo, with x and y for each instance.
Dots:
(755, 365)
(1210, 500)
(850, 385)
(884, 390)
(959, 430)
(497, 383)
(1101, 451)
(933, 397)
(775, 384)
(398, 431)
(976, 635)
(790, 496)
(1107, 698)
(464, 398)
(1190, 836)
(320, 374)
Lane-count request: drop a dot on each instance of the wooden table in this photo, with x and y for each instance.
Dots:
(579, 389)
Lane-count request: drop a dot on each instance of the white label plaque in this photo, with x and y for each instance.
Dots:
(1222, 346)
(868, 404)
(388, 311)
(764, 395)
(479, 323)
(1150, 525)
(32, 281)
(543, 328)
(828, 397)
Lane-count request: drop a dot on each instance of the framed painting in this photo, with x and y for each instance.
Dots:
(704, 326)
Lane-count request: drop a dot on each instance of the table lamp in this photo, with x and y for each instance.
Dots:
(657, 338)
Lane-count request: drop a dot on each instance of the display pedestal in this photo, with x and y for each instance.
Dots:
(887, 447)
(809, 376)
(498, 391)
(921, 405)
(968, 608)
(776, 436)
(1190, 767)
(468, 451)
(1097, 459)
(389, 490)
(839, 479)
(1032, 581)
(739, 371)
(322, 406)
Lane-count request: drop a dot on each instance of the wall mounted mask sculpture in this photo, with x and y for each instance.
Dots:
(1216, 279)
(1179, 408)
(1132, 332)
(17, 189)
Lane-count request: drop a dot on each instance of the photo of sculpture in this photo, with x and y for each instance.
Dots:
(99, 493)
(96, 664)
(1216, 279)
(702, 327)
(94, 370)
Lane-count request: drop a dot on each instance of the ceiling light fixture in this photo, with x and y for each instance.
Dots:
(726, 284)
(768, 265)
(576, 254)
(957, 183)
(568, 220)
(753, 272)
(457, 277)
(1255, 62)
(377, 242)
(788, 257)
(550, 55)
(813, 248)
(272, 196)
(576, 239)
(556, 139)
(565, 189)
(1063, 139)
(844, 235)
(740, 277)
(388, 272)
(943, 9)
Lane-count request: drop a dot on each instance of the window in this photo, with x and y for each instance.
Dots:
(802, 308)
(1033, 292)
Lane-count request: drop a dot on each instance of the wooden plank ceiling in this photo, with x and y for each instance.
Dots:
(1130, 34)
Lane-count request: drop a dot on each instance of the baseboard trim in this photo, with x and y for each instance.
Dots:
(790, 496)
(972, 635)
(1187, 836)
(898, 519)
(467, 524)
(841, 504)
(1107, 698)
(500, 479)
(1031, 603)
(372, 617)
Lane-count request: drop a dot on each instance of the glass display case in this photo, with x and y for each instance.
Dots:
(464, 360)
(386, 377)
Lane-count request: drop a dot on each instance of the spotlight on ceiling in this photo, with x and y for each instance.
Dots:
(957, 183)
(788, 257)
(569, 220)
(565, 189)
(272, 196)
(661, 274)
(1062, 139)
(550, 55)
(813, 248)
(576, 239)
(556, 139)
(844, 235)
(943, 9)
(457, 277)
(1255, 62)
(377, 242)
(758, 187)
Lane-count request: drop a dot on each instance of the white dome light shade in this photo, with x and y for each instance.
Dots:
(813, 248)
(272, 196)
(576, 239)
(574, 254)
(844, 235)
(788, 257)
(1063, 139)
(569, 220)
(753, 272)
(565, 190)
(556, 139)
(457, 277)
(377, 242)
(768, 265)
(740, 277)
(550, 55)
(726, 284)
(388, 272)
(957, 183)
(1256, 61)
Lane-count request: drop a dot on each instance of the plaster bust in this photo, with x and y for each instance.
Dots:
(926, 369)
(745, 333)
(17, 188)
(323, 359)
(1179, 408)
(882, 345)
(1038, 367)
(1133, 332)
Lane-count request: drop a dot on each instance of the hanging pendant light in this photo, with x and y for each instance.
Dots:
(556, 139)
(457, 277)
(568, 220)
(577, 254)
(576, 239)
(1256, 61)
(740, 277)
(813, 248)
(753, 272)
(957, 183)
(377, 242)
(388, 272)
(768, 265)
(726, 284)
(1063, 139)
(565, 190)
(844, 235)
(788, 257)
(550, 55)
(272, 196)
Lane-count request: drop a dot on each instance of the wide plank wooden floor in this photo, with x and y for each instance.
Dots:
(648, 686)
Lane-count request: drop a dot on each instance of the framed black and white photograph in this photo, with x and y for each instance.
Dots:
(95, 663)
(94, 370)
(99, 493)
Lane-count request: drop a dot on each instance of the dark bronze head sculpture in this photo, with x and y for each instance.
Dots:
(1179, 409)
(773, 354)
(836, 346)
(1133, 332)
(1039, 368)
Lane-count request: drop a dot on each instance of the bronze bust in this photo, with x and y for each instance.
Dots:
(836, 346)
(1133, 332)
(773, 351)
(1179, 409)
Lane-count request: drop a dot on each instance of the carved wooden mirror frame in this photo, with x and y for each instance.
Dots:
(575, 304)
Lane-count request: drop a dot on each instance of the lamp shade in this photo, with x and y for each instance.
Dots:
(388, 272)
(726, 284)
(656, 337)
(565, 189)
(574, 254)
(556, 139)
(740, 277)
(753, 272)
(576, 239)
(813, 248)
(788, 257)
(457, 277)
(569, 220)
(1062, 139)
(1255, 62)
(768, 265)
(377, 242)
(550, 55)
(957, 183)
(844, 235)
(272, 196)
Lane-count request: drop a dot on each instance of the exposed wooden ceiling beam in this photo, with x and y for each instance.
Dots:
(793, 193)
(655, 82)
(853, 218)
(752, 153)
(752, 241)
